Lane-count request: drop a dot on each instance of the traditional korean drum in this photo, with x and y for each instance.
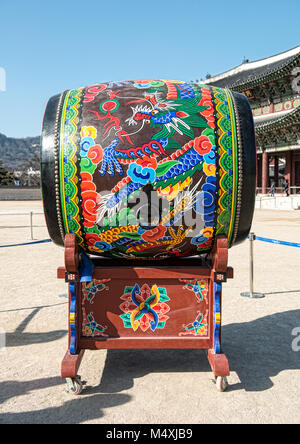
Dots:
(148, 168)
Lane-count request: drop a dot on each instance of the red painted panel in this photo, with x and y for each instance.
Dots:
(140, 308)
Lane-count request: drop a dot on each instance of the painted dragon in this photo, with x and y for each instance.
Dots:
(169, 116)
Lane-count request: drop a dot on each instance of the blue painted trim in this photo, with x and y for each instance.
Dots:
(73, 325)
(87, 268)
(217, 309)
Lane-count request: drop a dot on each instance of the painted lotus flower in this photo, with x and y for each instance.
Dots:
(144, 307)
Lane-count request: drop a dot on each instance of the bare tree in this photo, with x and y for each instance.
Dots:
(30, 172)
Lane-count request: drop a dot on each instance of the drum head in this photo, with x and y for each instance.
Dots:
(148, 168)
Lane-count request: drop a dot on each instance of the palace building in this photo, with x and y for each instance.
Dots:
(272, 86)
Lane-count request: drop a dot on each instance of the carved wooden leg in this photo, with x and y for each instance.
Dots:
(219, 363)
(220, 367)
(70, 364)
(69, 370)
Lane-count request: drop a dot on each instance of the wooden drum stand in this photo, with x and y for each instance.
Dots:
(144, 305)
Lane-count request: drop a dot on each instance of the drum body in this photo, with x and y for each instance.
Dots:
(148, 169)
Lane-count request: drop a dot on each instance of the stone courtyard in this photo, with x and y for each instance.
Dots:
(150, 386)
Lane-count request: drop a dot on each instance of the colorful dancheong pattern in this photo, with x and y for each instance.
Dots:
(173, 139)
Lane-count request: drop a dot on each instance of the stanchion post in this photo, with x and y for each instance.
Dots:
(251, 293)
(31, 225)
(251, 241)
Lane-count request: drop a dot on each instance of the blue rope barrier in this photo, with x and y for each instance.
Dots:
(26, 243)
(277, 242)
(262, 239)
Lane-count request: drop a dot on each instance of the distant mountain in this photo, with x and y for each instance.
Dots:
(14, 153)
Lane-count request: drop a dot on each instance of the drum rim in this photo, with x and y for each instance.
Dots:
(50, 176)
(246, 168)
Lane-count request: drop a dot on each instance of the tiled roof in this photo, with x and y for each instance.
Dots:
(252, 73)
(277, 120)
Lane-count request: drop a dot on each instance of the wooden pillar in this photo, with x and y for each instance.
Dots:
(259, 171)
(293, 168)
(276, 170)
(265, 172)
(288, 167)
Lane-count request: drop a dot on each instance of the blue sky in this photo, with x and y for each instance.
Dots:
(47, 47)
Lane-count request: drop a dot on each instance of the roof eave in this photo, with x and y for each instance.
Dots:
(290, 119)
(273, 75)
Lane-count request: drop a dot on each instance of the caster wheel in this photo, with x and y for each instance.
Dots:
(221, 383)
(75, 385)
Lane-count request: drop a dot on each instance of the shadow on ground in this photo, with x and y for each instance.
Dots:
(20, 338)
(11, 389)
(73, 411)
(257, 351)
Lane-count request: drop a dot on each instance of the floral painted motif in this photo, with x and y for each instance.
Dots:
(198, 287)
(92, 328)
(144, 308)
(199, 327)
(91, 289)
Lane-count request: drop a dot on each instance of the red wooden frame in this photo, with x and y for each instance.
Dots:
(215, 268)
